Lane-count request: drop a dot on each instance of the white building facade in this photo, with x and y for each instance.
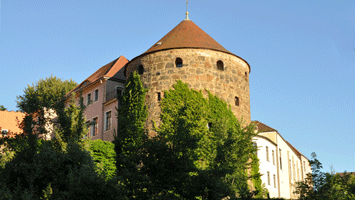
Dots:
(281, 165)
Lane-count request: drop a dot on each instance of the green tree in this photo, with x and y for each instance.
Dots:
(201, 150)
(131, 135)
(2, 108)
(104, 156)
(324, 185)
(44, 94)
(60, 168)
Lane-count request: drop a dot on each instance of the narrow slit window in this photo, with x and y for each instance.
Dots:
(159, 96)
(220, 65)
(140, 70)
(178, 62)
(236, 101)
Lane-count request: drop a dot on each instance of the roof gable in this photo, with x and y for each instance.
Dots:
(107, 71)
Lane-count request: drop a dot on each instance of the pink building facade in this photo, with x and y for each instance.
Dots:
(99, 92)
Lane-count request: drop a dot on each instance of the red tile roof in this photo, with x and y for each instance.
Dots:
(263, 127)
(9, 120)
(107, 71)
(187, 35)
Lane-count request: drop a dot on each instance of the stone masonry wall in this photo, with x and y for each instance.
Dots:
(200, 71)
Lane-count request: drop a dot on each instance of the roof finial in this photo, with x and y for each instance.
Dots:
(187, 13)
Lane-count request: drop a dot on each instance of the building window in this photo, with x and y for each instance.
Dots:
(108, 120)
(273, 157)
(119, 91)
(159, 96)
(140, 70)
(88, 99)
(220, 65)
(280, 160)
(94, 127)
(178, 62)
(236, 101)
(268, 178)
(4, 132)
(267, 153)
(256, 148)
(96, 95)
(274, 180)
(304, 166)
(290, 169)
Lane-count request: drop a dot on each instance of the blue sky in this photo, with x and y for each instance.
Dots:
(301, 53)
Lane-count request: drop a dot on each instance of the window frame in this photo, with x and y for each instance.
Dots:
(108, 122)
(96, 95)
(95, 127)
(88, 98)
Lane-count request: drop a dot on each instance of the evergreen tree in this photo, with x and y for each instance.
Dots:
(2, 108)
(131, 135)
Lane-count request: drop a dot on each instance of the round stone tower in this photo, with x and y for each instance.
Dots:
(191, 55)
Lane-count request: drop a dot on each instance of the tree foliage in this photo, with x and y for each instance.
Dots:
(44, 94)
(131, 114)
(325, 186)
(104, 156)
(61, 168)
(200, 151)
(2, 108)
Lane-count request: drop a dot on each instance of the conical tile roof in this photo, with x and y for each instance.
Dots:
(187, 35)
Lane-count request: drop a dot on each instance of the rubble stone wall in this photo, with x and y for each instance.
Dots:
(199, 70)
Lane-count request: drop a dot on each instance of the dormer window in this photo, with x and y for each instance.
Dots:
(140, 70)
(220, 65)
(178, 62)
(119, 91)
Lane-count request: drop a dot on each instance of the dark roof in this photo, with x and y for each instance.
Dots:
(263, 127)
(343, 173)
(294, 149)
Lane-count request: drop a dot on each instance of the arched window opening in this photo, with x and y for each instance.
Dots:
(246, 74)
(220, 65)
(178, 62)
(236, 101)
(140, 70)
